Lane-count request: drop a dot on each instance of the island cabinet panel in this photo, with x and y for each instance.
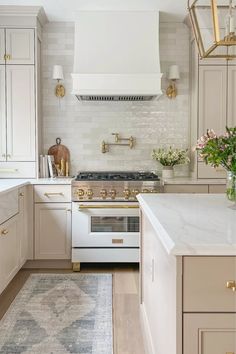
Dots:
(160, 301)
(205, 284)
(209, 334)
(2, 46)
(187, 188)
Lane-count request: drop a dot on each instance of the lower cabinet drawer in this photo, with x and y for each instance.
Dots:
(209, 334)
(52, 194)
(205, 284)
(8, 205)
(187, 188)
(17, 169)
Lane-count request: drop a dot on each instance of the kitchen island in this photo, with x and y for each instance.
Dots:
(188, 273)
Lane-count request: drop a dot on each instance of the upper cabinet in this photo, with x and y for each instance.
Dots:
(19, 46)
(212, 98)
(2, 115)
(20, 113)
(2, 46)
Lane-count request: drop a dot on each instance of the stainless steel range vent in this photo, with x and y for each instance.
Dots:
(115, 98)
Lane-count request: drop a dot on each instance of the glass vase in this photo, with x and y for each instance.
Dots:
(231, 187)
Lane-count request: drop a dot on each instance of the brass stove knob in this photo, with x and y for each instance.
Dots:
(127, 193)
(90, 193)
(103, 193)
(135, 192)
(80, 193)
(112, 193)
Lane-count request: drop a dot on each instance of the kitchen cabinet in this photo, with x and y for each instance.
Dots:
(52, 221)
(9, 251)
(231, 96)
(185, 298)
(209, 333)
(53, 231)
(20, 113)
(19, 46)
(23, 225)
(20, 93)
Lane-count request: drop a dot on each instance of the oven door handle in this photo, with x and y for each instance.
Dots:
(113, 206)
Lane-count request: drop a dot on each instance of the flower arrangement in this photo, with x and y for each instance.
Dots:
(221, 151)
(170, 156)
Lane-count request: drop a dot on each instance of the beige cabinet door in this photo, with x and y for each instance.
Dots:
(212, 98)
(20, 46)
(20, 112)
(2, 46)
(9, 251)
(209, 334)
(231, 121)
(53, 231)
(3, 132)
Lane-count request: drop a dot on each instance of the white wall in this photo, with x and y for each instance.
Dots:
(83, 125)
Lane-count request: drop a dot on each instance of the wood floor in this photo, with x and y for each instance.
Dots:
(127, 330)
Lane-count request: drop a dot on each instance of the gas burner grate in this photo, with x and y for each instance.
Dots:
(117, 176)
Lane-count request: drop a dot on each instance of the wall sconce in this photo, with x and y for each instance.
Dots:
(173, 75)
(58, 75)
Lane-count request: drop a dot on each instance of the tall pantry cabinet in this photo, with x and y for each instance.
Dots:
(20, 43)
(213, 103)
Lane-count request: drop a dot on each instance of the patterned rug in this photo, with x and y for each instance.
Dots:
(60, 314)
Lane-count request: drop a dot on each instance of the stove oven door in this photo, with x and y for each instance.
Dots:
(105, 224)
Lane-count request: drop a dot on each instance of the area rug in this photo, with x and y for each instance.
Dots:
(60, 314)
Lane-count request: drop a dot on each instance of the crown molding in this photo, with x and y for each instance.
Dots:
(29, 11)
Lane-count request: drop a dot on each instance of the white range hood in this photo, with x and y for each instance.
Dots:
(117, 55)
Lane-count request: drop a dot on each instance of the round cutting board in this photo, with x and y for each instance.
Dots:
(59, 152)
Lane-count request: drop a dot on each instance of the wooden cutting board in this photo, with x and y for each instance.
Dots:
(59, 152)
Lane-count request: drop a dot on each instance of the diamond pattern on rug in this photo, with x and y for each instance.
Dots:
(62, 313)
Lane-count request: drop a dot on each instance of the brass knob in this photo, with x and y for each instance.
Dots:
(231, 284)
(89, 193)
(4, 232)
(127, 193)
(103, 193)
(145, 191)
(80, 192)
(21, 194)
(135, 192)
(112, 193)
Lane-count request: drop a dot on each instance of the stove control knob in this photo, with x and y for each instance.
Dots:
(135, 192)
(103, 193)
(80, 193)
(127, 193)
(145, 191)
(112, 193)
(90, 193)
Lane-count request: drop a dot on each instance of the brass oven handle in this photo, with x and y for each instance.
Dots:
(117, 240)
(48, 194)
(113, 206)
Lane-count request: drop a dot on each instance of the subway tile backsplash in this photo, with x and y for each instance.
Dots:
(83, 125)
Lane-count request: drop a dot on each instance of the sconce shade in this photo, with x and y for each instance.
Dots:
(173, 72)
(58, 72)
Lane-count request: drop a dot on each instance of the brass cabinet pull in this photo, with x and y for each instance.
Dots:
(117, 240)
(231, 284)
(113, 206)
(21, 194)
(4, 232)
(229, 353)
(7, 57)
(53, 194)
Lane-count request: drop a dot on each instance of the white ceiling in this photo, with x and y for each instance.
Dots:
(64, 10)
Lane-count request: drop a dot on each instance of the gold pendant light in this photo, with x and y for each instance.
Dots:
(213, 24)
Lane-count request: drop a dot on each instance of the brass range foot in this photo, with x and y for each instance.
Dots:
(76, 267)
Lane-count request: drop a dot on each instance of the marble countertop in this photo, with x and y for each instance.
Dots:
(7, 185)
(192, 224)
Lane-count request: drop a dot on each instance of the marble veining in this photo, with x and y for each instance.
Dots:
(192, 224)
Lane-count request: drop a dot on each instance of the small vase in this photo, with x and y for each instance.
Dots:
(167, 172)
(231, 187)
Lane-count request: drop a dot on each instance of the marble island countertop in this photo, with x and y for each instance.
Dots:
(192, 224)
